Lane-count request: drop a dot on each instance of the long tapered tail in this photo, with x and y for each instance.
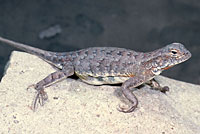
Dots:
(50, 57)
(26, 48)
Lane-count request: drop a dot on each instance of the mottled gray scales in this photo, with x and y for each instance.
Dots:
(104, 61)
(108, 65)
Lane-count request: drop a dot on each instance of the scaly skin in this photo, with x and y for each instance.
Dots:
(108, 65)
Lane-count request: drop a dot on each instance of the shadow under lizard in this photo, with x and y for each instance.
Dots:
(107, 65)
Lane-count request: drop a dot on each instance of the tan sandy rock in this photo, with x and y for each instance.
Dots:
(75, 107)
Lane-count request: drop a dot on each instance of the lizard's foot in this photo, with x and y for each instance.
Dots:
(163, 89)
(127, 109)
(156, 86)
(41, 97)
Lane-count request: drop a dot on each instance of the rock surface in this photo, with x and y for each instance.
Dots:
(75, 107)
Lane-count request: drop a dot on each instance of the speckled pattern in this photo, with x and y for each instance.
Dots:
(107, 65)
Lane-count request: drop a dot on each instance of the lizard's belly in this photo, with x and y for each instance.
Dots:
(100, 80)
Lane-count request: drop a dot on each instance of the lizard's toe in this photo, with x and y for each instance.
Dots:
(127, 109)
(31, 86)
(40, 98)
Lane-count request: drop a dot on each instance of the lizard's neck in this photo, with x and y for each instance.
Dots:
(155, 62)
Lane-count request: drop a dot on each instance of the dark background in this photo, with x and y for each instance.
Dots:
(140, 25)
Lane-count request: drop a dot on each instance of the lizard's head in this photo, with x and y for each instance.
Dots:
(169, 56)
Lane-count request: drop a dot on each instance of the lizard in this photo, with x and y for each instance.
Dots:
(107, 65)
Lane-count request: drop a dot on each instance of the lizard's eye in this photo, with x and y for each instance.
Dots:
(174, 52)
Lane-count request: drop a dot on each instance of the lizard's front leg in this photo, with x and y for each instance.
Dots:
(155, 85)
(41, 95)
(132, 82)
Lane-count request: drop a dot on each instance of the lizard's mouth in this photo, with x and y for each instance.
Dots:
(167, 67)
(185, 57)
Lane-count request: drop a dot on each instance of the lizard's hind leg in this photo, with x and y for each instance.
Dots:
(41, 95)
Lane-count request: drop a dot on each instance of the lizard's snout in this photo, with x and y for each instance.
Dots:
(188, 54)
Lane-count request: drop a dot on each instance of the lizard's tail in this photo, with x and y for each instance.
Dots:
(32, 50)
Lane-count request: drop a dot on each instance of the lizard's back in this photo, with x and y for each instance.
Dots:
(104, 65)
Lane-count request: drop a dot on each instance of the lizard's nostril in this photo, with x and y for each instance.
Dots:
(188, 53)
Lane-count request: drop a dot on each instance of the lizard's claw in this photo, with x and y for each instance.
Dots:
(41, 97)
(31, 86)
(127, 109)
